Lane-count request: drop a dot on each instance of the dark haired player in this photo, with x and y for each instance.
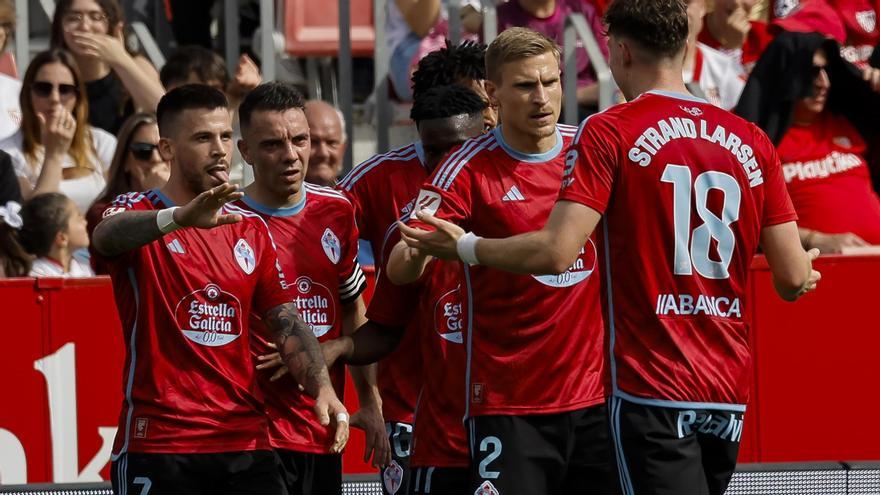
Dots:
(687, 192)
(377, 207)
(428, 313)
(313, 228)
(535, 383)
(185, 280)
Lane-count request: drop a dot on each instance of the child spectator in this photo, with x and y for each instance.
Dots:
(707, 72)
(198, 65)
(14, 260)
(729, 30)
(117, 82)
(54, 231)
(56, 150)
(821, 116)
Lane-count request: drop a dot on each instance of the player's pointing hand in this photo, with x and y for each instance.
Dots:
(440, 243)
(204, 210)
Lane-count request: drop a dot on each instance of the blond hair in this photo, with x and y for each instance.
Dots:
(514, 44)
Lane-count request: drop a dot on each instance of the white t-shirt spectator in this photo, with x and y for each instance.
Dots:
(10, 110)
(46, 267)
(83, 190)
(718, 76)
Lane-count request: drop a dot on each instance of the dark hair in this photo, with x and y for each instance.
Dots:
(658, 26)
(206, 64)
(111, 9)
(118, 178)
(274, 96)
(441, 102)
(187, 97)
(14, 260)
(43, 217)
(450, 65)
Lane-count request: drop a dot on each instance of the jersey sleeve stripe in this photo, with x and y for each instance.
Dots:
(354, 286)
(325, 191)
(454, 159)
(404, 153)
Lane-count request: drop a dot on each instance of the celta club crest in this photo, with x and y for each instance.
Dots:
(245, 257)
(867, 20)
(392, 477)
(331, 246)
(487, 488)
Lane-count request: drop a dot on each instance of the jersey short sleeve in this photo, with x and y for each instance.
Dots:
(445, 196)
(778, 207)
(590, 165)
(352, 281)
(133, 201)
(392, 305)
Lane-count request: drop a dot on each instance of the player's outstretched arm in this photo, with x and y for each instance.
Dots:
(302, 355)
(368, 344)
(550, 250)
(129, 230)
(790, 265)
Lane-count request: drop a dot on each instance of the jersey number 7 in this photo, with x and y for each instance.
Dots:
(692, 248)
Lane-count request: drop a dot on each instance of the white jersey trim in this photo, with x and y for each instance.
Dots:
(404, 153)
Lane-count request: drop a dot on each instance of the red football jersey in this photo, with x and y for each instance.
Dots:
(685, 189)
(382, 190)
(184, 301)
(828, 178)
(431, 309)
(535, 343)
(317, 249)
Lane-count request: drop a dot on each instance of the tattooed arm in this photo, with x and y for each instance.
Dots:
(129, 230)
(302, 355)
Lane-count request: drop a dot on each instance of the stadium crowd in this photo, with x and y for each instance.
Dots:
(110, 166)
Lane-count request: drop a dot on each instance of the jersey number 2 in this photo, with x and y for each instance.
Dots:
(692, 248)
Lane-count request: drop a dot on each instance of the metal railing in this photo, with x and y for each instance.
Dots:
(576, 28)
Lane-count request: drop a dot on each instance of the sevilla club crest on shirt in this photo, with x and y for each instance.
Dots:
(487, 488)
(331, 245)
(392, 477)
(245, 256)
(867, 20)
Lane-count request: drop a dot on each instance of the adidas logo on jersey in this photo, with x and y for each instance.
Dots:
(513, 194)
(176, 247)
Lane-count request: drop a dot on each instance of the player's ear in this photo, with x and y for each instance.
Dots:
(244, 150)
(166, 149)
(491, 90)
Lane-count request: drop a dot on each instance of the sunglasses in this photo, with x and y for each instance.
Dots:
(815, 70)
(142, 151)
(44, 89)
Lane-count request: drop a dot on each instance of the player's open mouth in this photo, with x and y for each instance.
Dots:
(541, 116)
(291, 175)
(219, 172)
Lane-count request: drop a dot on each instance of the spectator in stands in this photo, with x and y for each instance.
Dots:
(10, 87)
(9, 188)
(709, 73)
(199, 65)
(55, 149)
(464, 65)
(548, 18)
(327, 132)
(821, 115)
(14, 260)
(54, 230)
(417, 27)
(136, 166)
(117, 82)
(729, 30)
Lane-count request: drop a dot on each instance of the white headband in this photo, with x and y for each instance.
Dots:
(9, 214)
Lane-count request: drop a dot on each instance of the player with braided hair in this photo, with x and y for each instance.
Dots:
(463, 64)
(404, 317)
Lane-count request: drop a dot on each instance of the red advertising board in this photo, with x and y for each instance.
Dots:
(61, 362)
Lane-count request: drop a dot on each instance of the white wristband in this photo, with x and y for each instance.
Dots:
(466, 246)
(165, 220)
(342, 417)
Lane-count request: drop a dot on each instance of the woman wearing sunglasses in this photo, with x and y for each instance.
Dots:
(137, 165)
(56, 150)
(118, 81)
(822, 116)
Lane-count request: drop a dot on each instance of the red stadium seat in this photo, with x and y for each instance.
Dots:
(311, 28)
